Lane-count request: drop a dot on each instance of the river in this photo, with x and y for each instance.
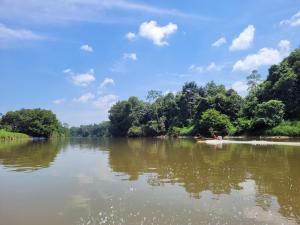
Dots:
(148, 181)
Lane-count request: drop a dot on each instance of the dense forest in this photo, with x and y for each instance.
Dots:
(272, 107)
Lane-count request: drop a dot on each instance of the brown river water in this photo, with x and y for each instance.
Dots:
(148, 182)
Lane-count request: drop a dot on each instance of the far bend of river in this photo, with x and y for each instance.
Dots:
(147, 182)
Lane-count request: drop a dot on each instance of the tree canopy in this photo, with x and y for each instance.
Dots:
(33, 122)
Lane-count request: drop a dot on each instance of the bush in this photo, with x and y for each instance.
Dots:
(135, 131)
(181, 131)
(243, 125)
(212, 121)
(286, 128)
(268, 114)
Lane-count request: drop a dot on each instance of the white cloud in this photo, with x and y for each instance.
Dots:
(212, 67)
(84, 98)
(62, 11)
(131, 56)
(130, 36)
(264, 57)
(83, 79)
(293, 21)
(10, 34)
(219, 42)
(86, 48)
(58, 101)
(157, 34)
(239, 86)
(244, 40)
(67, 71)
(106, 101)
(107, 81)
(196, 69)
(284, 46)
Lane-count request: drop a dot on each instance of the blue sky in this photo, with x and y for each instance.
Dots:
(78, 57)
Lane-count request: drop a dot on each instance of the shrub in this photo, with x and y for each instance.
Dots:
(182, 131)
(212, 121)
(243, 125)
(135, 131)
(286, 128)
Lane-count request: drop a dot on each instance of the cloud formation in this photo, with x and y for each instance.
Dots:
(130, 56)
(64, 11)
(264, 57)
(84, 98)
(293, 21)
(157, 34)
(86, 48)
(130, 36)
(244, 40)
(83, 79)
(212, 67)
(239, 86)
(106, 101)
(106, 82)
(11, 34)
(58, 101)
(219, 42)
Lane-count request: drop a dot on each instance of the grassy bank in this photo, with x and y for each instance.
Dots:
(6, 135)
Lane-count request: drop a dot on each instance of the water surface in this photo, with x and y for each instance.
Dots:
(148, 181)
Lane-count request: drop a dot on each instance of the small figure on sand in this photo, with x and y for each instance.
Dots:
(215, 137)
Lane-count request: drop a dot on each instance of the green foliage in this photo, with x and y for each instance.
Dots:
(135, 131)
(182, 131)
(119, 116)
(283, 83)
(268, 114)
(155, 128)
(228, 102)
(221, 110)
(92, 131)
(286, 128)
(33, 122)
(7, 135)
(243, 125)
(212, 121)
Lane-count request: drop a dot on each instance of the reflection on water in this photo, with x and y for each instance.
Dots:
(27, 155)
(148, 181)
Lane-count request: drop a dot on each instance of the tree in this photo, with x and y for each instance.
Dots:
(269, 114)
(33, 122)
(228, 103)
(188, 100)
(253, 80)
(212, 121)
(119, 116)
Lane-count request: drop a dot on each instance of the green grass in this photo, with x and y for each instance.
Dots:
(286, 128)
(6, 135)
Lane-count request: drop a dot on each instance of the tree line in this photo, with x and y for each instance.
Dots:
(213, 109)
(272, 107)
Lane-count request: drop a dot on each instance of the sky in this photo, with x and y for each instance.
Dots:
(78, 57)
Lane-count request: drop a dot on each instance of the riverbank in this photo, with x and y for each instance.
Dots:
(8, 136)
